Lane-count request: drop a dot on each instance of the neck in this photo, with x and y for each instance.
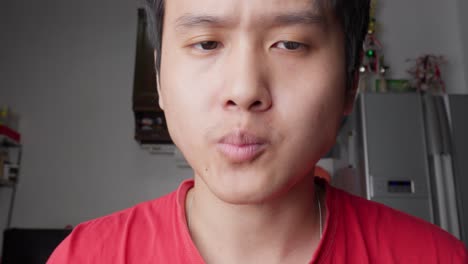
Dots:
(285, 229)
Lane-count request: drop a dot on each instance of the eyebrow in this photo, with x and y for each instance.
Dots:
(299, 18)
(188, 21)
(191, 21)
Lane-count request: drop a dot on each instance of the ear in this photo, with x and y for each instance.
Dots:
(158, 84)
(350, 95)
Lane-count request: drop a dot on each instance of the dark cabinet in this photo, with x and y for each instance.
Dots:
(150, 123)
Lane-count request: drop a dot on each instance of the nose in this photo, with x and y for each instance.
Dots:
(248, 87)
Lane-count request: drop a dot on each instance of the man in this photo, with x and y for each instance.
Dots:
(254, 92)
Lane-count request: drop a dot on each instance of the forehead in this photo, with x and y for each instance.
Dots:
(246, 12)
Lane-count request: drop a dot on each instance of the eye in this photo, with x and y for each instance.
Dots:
(289, 45)
(207, 45)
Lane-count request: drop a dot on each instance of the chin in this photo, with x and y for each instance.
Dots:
(243, 187)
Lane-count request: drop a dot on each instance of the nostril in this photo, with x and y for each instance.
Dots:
(257, 104)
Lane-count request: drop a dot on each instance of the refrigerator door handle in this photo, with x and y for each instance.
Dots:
(452, 212)
(431, 119)
(440, 195)
(444, 126)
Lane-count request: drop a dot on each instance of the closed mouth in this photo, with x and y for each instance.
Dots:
(239, 147)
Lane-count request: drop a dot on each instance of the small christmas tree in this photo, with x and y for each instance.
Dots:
(373, 64)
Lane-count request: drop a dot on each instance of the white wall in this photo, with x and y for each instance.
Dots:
(67, 68)
(409, 29)
(463, 22)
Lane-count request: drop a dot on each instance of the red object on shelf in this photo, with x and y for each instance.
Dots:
(10, 133)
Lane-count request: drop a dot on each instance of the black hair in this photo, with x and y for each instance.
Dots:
(352, 15)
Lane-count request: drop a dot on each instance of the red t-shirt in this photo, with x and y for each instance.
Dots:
(356, 231)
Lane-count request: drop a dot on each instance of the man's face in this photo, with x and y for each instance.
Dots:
(253, 91)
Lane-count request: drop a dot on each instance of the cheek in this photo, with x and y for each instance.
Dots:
(310, 103)
(315, 93)
(187, 99)
(188, 82)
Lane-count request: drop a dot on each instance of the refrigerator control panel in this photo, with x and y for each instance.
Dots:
(400, 187)
(397, 187)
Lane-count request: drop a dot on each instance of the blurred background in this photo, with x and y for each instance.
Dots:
(70, 86)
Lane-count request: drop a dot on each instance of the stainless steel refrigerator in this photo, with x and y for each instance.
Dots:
(410, 152)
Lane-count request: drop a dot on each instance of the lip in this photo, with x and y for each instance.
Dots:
(240, 147)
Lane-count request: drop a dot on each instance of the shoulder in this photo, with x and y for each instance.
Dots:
(139, 216)
(387, 231)
(106, 237)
